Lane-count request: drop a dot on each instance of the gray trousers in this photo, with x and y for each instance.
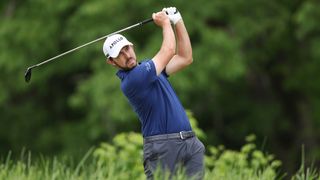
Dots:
(169, 154)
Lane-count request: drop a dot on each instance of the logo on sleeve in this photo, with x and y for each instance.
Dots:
(148, 66)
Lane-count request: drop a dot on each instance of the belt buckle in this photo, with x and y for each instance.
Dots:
(181, 136)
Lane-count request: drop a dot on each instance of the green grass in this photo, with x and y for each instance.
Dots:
(89, 168)
(122, 160)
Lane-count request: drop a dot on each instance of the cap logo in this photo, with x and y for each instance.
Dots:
(115, 42)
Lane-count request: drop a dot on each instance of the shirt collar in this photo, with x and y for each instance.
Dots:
(122, 73)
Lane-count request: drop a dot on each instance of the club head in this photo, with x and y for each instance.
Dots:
(27, 75)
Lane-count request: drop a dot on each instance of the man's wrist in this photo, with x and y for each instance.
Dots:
(178, 22)
(167, 24)
(177, 18)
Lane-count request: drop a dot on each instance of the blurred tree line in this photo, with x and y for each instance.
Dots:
(255, 71)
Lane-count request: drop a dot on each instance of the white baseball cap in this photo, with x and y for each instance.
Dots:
(113, 45)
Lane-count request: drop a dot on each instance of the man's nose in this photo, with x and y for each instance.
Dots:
(126, 54)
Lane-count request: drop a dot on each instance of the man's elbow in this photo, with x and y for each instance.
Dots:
(189, 59)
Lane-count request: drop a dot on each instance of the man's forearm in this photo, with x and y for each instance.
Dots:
(184, 48)
(168, 42)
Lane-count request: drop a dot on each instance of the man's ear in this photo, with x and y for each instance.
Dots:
(110, 61)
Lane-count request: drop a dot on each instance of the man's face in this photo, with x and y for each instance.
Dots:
(126, 59)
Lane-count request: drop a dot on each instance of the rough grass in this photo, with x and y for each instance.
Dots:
(122, 160)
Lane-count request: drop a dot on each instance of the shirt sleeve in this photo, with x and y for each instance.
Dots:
(141, 76)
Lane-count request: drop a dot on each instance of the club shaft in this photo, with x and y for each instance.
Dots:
(96, 40)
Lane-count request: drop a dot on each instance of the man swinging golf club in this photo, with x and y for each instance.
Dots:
(168, 137)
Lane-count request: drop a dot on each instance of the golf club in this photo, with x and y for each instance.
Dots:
(27, 75)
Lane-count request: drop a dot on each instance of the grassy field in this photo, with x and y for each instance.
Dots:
(122, 160)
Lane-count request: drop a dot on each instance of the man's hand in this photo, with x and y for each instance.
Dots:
(161, 19)
(173, 13)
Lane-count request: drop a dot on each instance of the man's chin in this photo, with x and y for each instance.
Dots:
(130, 67)
(132, 64)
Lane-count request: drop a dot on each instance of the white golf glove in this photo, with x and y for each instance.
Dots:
(173, 13)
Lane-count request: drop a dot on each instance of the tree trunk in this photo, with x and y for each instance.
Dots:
(11, 6)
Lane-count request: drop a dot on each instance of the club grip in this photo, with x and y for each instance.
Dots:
(146, 21)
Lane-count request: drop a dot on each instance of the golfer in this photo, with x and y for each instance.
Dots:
(169, 141)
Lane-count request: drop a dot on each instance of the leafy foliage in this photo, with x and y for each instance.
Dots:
(122, 160)
(248, 163)
(126, 152)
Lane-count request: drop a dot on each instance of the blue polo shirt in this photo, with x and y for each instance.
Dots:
(154, 100)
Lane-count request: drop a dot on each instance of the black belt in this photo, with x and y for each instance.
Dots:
(180, 135)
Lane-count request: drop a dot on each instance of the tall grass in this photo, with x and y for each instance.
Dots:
(121, 160)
